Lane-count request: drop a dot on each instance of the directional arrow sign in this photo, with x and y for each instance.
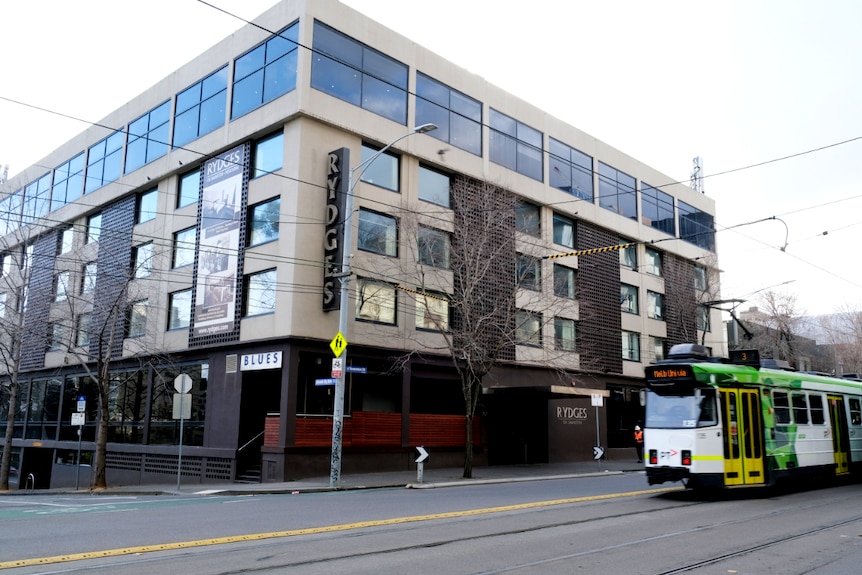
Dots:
(423, 455)
(598, 452)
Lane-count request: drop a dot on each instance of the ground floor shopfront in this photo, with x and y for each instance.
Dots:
(263, 413)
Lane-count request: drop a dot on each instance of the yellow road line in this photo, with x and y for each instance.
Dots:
(314, 530)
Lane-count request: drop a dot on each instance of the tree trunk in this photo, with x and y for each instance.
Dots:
(100, 464)
(468, 447)
(6, 465)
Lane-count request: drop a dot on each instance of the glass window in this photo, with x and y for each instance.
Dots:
(61, 286)
(68, 182)
(3, 298)
(433, 186)
(37, 199)
(617, 191)
(653, 262)
(88, 278)
(528, 328)
(457, 116)
(189, 188)
(148, 137)
(564, 231)
(142, 260)
(433, 247)
(657, 345)
(855, 409)
(264, 73)
(529, 273)
(702, 318)
(377, 233)
(564, 334)
(655, 305)
(104, 161)
(146, 206)
(10, 212)
(699, 278)
(570, 170)
(82, 331)
(528, 219)
(137, 319)
(564, 282)
(67, 241)
(432, 312)
(263, 221)
(800, 408)
(696, 227)
(629, 255)
(781, 407)
(260, 292)
(94, 228)
(200, 108)
(375, 301)
(7, 261)
(58, 337)
(657, 208)
(629, 299)
(267, 155)
(815, 402)
(515, 145)
(355, 73)
(180, 306)
(184, 248)
(631, 346)
(381, 171)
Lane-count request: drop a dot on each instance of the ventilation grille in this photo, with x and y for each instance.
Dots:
(231, 363)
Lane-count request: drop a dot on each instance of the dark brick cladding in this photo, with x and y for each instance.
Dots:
(40, 295)
(599, 339)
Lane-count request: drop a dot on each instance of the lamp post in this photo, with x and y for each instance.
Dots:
(354, 176)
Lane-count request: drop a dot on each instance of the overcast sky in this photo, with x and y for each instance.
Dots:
(736, 83)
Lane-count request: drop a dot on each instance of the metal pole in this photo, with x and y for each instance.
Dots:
(180, 457)
(338, 406)
(78, 470)
(598, 438)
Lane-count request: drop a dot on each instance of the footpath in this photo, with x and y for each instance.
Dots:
(431, 479)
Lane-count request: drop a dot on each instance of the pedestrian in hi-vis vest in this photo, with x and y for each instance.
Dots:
(639, 443)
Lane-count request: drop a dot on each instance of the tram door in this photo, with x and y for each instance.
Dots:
(840, 441)
(743, 437)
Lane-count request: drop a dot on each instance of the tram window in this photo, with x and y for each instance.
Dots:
(817, 415)
(800, 408)
(708, 407)
(855, 411)
(782, 407)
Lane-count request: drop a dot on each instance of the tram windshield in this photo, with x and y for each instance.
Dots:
(681, 411)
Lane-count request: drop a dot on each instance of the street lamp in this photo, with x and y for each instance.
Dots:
(354, 177)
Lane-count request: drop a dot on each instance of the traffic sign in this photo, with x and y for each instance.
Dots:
(598, 452)
(423, 455)
(356, 369)
(596, 399)
(325, 381)
(338, 344)
(78, 418)
(183, 383)
(82, 404)
(337, 367)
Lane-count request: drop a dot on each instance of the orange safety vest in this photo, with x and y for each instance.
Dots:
(639, 436)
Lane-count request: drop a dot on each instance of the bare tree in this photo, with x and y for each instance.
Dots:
(843, 333)
(774, 326)
(477, 286)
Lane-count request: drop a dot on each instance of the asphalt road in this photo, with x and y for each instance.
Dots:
(588, 525)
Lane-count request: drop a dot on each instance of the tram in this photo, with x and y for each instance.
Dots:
(719, 423)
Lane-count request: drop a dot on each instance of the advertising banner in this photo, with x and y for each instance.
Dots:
(218, 249)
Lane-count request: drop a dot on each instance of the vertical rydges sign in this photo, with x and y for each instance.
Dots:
(337, 185)
(218, 248)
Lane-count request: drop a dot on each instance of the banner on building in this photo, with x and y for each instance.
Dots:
(218, 248)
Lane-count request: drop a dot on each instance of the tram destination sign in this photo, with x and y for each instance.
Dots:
(658, 373)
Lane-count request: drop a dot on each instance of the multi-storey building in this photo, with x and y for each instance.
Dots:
(202, 209)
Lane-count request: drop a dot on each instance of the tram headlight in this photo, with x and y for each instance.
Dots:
(686, 457)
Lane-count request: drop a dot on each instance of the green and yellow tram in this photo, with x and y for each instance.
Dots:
(717, 423)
